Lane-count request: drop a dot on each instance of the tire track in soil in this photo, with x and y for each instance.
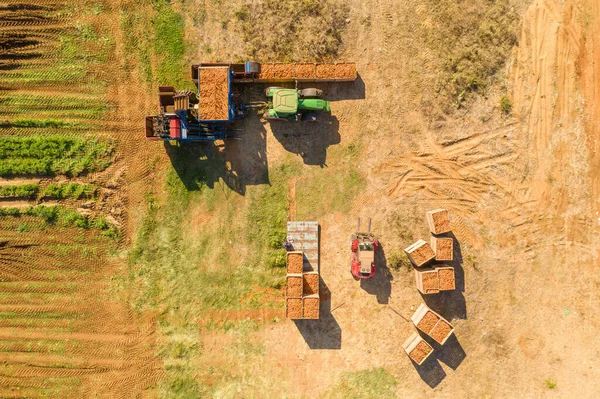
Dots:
(111, 348)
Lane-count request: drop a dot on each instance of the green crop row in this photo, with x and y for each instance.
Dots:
(58, 190)
(53, 155)
(52, 147)
(69, 190)
(47, 123)
(23, 190)
(57, 215)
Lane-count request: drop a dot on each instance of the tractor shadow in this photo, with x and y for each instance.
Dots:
(324, 333)
(237, 163)
(380, 284)
(310, 140)
(451, 304)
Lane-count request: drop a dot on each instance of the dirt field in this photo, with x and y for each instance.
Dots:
(190, 300)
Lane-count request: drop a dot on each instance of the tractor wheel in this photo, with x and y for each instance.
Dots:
(309, 117)
(311, 92)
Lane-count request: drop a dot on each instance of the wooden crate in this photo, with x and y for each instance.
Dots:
(433, 325)
(293, 281)
(417, 348)
(446, 277)
(438, 221)
(310, 283)
(293, 266)
(293, 309)
(420, 253)
(443, 248)
(428, 281)
(311, 307)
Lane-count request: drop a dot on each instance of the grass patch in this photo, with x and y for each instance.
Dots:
(550, 384)
(374, 383)
(327, 191)
(473, 41)
(291, 30)
(399, 260)
(186, 260)
(155, 43)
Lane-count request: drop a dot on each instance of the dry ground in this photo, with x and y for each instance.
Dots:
(522, 191)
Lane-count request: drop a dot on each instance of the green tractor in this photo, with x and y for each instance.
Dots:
(294, 105)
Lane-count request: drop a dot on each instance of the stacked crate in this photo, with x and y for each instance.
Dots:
(432, 324)
(420, 253)
(431, 279)
(294, 285)
(302, 289)
(417, 348)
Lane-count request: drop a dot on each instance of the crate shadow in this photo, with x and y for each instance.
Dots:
(324, 333)
(451, 353)
(431, 372)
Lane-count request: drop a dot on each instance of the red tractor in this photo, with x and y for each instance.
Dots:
(363, 249)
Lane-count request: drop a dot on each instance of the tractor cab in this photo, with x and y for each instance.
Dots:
(285, 101)
(294, 105)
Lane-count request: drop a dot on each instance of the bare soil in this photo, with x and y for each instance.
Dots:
(443, 248)
(311, 284)
(422, 254)
(311, 308)
(440, 331)
(447, 279)
(214, 94)
(283, 71)
(305, 71)
(294, 263)
(294, 287)
(420, 352)
(428, 322)
(294, 308)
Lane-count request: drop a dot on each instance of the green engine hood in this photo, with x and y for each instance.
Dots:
(285, 101)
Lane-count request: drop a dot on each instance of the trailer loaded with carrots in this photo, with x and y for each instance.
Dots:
(209, 113)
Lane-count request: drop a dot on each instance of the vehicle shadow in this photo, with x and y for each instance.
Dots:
(380, 284)
(204, 164)
(451, 304)
(338, 91)
(324, 333)
(310, 140)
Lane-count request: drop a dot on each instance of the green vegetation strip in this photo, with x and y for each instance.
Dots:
(50, 155)
(57, 215)
(70, 190)
(23, 190)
